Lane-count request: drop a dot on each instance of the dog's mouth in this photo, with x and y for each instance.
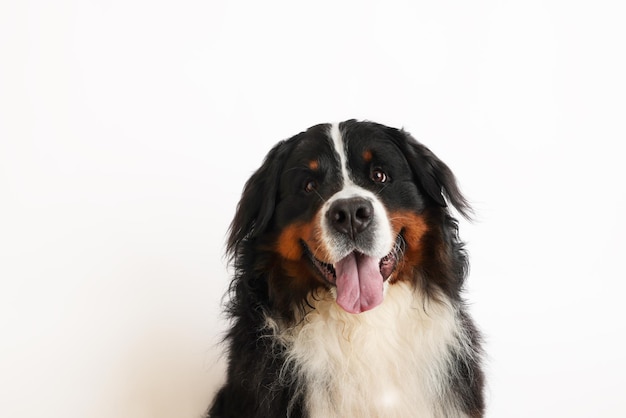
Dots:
(358, 277)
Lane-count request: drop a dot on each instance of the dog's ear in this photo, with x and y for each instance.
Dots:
(433, 175)
(258, 200)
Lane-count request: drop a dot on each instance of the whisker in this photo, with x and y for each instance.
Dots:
(320, 196)
(381, 189)
(399, 218)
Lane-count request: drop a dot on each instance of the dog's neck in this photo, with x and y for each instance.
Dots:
(367, 364)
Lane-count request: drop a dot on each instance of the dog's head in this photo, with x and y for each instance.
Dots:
(354, 207)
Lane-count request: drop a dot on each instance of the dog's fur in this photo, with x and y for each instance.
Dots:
(346, 300)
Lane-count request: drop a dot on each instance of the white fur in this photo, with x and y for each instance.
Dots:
(391, 361)
(335, 135)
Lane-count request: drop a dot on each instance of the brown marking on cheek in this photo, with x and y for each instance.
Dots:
(314, 164)
(310, 233)
(288, 242)
(414, 228)
(367, 155)
(315, 242)
(296, 277)
(412, 225)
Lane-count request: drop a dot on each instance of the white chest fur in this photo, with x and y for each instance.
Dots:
(389, 362)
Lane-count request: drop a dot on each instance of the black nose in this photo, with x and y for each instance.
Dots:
(351, 216)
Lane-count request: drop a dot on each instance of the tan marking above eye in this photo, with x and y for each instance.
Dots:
(367, 155)
(314, 164)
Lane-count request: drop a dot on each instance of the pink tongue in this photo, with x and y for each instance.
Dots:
(359, 283)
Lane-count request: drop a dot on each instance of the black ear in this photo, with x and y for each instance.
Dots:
(432, 174)
(258, 200)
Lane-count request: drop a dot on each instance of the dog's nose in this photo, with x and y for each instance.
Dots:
(351, 216)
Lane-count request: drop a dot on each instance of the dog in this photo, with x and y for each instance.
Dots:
(346, 299)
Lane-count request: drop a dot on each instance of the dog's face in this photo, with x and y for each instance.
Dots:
(351, 207)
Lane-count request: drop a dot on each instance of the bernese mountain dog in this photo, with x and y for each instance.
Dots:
(348, 271)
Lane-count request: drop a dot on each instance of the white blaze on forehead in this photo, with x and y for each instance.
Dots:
(384, 239)
(340, 148)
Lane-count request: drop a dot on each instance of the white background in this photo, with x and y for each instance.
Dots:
(128, 127)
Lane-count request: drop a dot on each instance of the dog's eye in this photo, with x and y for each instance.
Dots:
(379, 176)
(310, 186)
